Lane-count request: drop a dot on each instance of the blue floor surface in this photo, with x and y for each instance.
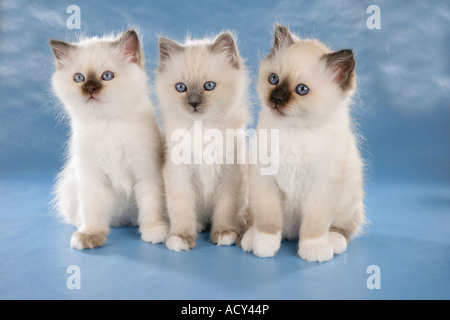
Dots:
(407, 239)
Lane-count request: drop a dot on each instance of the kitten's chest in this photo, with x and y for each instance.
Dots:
(206, 177)
(208, 160)
(299, 157)
(294, 170)
(109, 150)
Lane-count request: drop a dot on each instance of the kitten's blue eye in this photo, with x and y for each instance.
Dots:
(78, 77)
(273, 79)
(302, 89)
(209, 85)
(107, 75)
(181, 87)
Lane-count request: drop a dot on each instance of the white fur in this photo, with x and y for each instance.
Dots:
(201, 193)
(114, 152)
(319, 184)
(316, 250)
(156, 234)
(227, 239)
(248, 239)
(266, 245)
(338, 242)
(177, 244)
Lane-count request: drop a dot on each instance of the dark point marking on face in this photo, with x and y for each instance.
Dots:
(279, 97)
(92, 84)
(194, 99)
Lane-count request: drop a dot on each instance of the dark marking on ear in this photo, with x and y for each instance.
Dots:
(61, 51)
(167, 48)
(130, 46)
(282, 38)
(226, 44)
(342, 65)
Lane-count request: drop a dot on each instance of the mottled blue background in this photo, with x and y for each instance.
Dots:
(402, 111)
(403, 69)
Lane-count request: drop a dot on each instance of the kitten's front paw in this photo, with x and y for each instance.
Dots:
(266, 245)
(156, 234)
(180, 243)
(247, 239)
(225, 238)
(316, 250)
(338, 242)
(81, 240)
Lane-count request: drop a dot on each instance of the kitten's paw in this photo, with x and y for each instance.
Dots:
(226, 238)
(247, 239)
(338, 242)
(266, 245)
(156, 234)
(81, 240)
(180, 243)
(316, 249)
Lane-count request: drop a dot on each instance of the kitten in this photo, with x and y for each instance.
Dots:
(317, 194)
(114, 157)
(202, 87)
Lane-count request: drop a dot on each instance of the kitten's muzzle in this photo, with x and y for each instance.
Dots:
(92, 86)
(276, 100)
(194, 104)
(281, 94)
(194, 100)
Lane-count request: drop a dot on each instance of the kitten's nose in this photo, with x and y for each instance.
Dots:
(276, 99)
(194, 104)
(90, 88)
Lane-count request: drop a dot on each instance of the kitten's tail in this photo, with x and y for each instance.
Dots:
(65, 200)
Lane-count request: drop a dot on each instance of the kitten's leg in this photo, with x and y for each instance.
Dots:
(153, 225)
(346, 225)
(246, 238)
(96, 202)
(181, 199)
(265, 204)
(227, 222)
(318, 210)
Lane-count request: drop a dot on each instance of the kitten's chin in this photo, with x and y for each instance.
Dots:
(277, 111)
(197, 113)
(93, 100)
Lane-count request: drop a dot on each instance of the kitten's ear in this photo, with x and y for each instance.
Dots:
(225, 44)
(167, 48)
(282, 38)
(130, 47)
(61, 51)
(342, 66)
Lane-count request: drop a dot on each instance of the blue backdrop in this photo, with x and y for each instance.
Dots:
(403, 69)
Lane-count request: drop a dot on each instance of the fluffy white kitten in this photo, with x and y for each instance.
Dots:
(317, 195)
(114, 157)
(202, 86)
